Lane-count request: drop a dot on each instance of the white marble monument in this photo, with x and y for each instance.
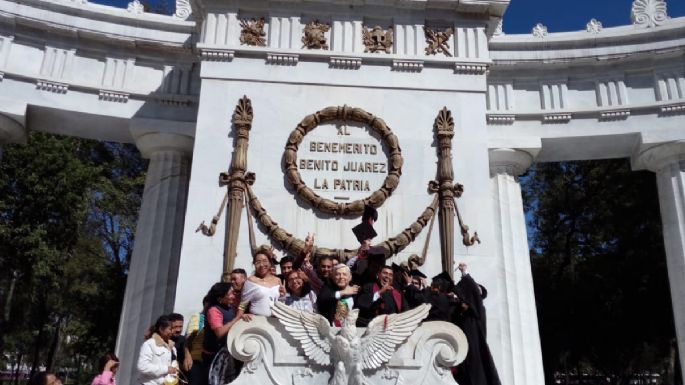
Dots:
(170, 84)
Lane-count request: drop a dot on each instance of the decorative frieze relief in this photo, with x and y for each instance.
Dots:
(377, 40)
(173, 100)
(135, 7)
(217, 55)
(594, 26)
(648, 13)
(539, 31)
(498, 29)
(113, 96)
(345, 62)
(470, 68)
(183, 9)
(315, 35)
(252, 32)
(437, 41)
(51, 86)
(556, 118)
(282, 59)
(407, 65)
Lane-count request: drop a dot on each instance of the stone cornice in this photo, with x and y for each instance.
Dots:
(98, 22)
(569, 47)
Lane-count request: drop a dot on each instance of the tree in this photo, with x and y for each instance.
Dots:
(599, 270)
(67, 217)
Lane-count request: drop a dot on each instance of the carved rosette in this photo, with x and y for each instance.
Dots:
(437, 41)
(648, 13)
(252, 32)
(345, 114)
(539, 31)
(315, 35)
(594, 26)
(377, 40)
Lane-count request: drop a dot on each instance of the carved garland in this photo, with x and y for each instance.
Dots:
(344, 113)
(295, 245)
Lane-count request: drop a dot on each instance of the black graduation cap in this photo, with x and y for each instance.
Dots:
(446, 277)
(376, 254)
(417, 274)
(364, 231)
(369, 212)
(397, 268)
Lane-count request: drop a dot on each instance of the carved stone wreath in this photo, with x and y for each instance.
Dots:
(345, 114)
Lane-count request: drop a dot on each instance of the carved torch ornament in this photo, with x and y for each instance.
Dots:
(448, 192)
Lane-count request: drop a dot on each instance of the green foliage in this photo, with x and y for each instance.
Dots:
(67, 217)
(599, 269)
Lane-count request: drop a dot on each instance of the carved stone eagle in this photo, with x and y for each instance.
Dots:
(348, 353)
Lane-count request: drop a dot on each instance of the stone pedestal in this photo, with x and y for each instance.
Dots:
(151, 285)
(668, 162)
(523, 357)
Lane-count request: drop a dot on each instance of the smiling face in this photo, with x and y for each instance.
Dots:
(286, 268)
(262, 265)
(385, 276)
(295, 283)
(177, 328)
(228, 299)
(166, 332)
(342, 277)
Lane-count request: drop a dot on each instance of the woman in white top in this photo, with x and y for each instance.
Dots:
(300, 294)
(262, 288)
(158, 354)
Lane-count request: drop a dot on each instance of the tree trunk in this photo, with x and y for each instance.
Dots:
(4, 323)
(36, 351)
(54, 344)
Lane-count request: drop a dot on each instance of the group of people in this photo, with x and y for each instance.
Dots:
(330, 288)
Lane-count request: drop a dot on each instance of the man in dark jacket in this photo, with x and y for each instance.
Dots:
(380, 297)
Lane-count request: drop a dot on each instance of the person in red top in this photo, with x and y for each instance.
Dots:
(380, 297)
(109, 363)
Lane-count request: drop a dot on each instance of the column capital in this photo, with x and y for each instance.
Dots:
(154, 135)
(509, 161)
(658, 156)
(13, 123)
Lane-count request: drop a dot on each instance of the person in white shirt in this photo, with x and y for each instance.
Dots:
(157, 358)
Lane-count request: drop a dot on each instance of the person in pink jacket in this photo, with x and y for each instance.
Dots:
(109, 364)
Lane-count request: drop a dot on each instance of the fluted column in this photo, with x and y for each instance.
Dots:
(521, 338)
(151, 284)
(668, 162)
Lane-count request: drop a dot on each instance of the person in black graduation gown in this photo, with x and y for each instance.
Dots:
(380, 297)
(478, 368)
(442, 305)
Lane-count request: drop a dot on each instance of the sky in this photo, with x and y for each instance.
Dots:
(573, 15)
(557, 15)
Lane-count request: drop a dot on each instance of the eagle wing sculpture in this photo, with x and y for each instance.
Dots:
(311, 330)
(386, 332)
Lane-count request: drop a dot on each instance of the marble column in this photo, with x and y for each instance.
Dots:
(151, 285)
(521, 339)
(12, 124)
(668, 162)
